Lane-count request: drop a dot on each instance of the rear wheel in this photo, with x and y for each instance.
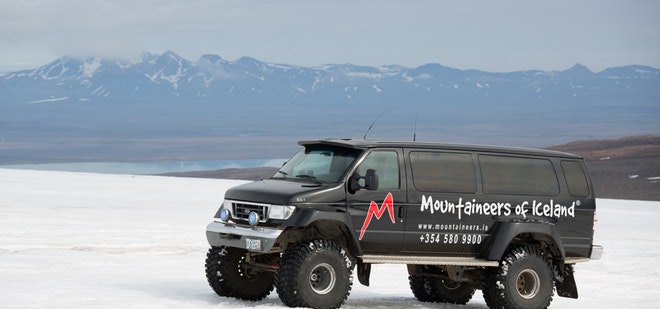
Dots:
(314, 274)
(454, 292)
(524, 279)
(437, 289)
(230, 275)
(423, 288)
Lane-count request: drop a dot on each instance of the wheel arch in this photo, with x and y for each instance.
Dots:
(508, 234)
(336, 226)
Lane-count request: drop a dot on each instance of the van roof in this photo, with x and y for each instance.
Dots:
(366, 144)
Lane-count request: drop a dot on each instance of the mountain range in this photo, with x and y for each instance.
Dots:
(171, 77)
(166, 97)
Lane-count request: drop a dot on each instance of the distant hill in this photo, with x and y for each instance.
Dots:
(230, 173)
(625, 168)
(165, 107)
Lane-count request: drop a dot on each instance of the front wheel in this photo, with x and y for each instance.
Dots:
(314, 274)
(229, 275)
(524, 279)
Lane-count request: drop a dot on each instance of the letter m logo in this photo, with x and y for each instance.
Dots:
(375, 211)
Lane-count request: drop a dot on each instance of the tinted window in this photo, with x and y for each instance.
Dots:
(575, 178)
(386, 164)
(443, 172)
(512, 175)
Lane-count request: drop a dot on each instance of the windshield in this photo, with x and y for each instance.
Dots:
(319, 164)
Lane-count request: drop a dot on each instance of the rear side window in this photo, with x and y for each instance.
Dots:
(443, 172)
(575, 178)
(513, 175)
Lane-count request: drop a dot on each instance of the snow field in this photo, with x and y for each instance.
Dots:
(76, 240)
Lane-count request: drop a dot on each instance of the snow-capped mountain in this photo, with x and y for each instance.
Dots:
(171, 77)
(139, 106)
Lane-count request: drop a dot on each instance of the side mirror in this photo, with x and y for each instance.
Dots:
(369, 181)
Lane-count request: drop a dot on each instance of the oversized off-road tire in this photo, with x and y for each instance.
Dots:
(524, 279)
(230, 276)
(423, 288)
(436, 289)
(315, 274)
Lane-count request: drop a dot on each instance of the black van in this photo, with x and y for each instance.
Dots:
(512, 222)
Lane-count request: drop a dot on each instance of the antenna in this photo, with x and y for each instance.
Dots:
(372, 123)
(415, 130)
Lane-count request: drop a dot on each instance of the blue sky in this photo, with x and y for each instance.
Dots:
(498, 36)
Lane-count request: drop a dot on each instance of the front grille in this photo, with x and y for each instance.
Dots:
(242, 210)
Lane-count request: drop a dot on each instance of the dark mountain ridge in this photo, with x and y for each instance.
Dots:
(624, 168)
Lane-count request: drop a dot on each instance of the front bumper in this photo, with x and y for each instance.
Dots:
(257, 239)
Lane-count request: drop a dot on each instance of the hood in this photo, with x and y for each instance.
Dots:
(271, 191)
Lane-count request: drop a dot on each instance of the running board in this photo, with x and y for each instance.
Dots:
(427, 260)
(432, 260)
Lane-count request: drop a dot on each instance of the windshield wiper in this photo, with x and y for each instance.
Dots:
(310, 177)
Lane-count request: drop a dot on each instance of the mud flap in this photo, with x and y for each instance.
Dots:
(565, 284)
(364, 271)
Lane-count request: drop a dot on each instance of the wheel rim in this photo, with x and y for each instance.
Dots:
(450, 285)
(528, 284)
(322, 278)
(245, 270)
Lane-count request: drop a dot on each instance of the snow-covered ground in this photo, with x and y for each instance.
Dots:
(76, 240)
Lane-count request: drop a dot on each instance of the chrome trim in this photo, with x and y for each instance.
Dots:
(230, 229)
(250, 207)
(226, 234)
(427, 260)
(251, 203)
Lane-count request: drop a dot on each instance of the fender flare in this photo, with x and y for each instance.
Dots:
(305, 217)
(505, 231)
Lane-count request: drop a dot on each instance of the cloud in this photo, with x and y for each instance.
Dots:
(476, 34)
(96, 27)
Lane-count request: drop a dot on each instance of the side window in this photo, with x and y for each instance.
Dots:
(575, 178)
(512, 175)
(386, 164)
(443, 172)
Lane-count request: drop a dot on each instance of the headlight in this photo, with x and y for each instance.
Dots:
(253, 218)
(225, 211)
(280, 212)
(224, 214)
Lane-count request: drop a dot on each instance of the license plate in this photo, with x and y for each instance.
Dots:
(253, 244)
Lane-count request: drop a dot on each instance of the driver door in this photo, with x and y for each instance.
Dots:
(378, 214)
